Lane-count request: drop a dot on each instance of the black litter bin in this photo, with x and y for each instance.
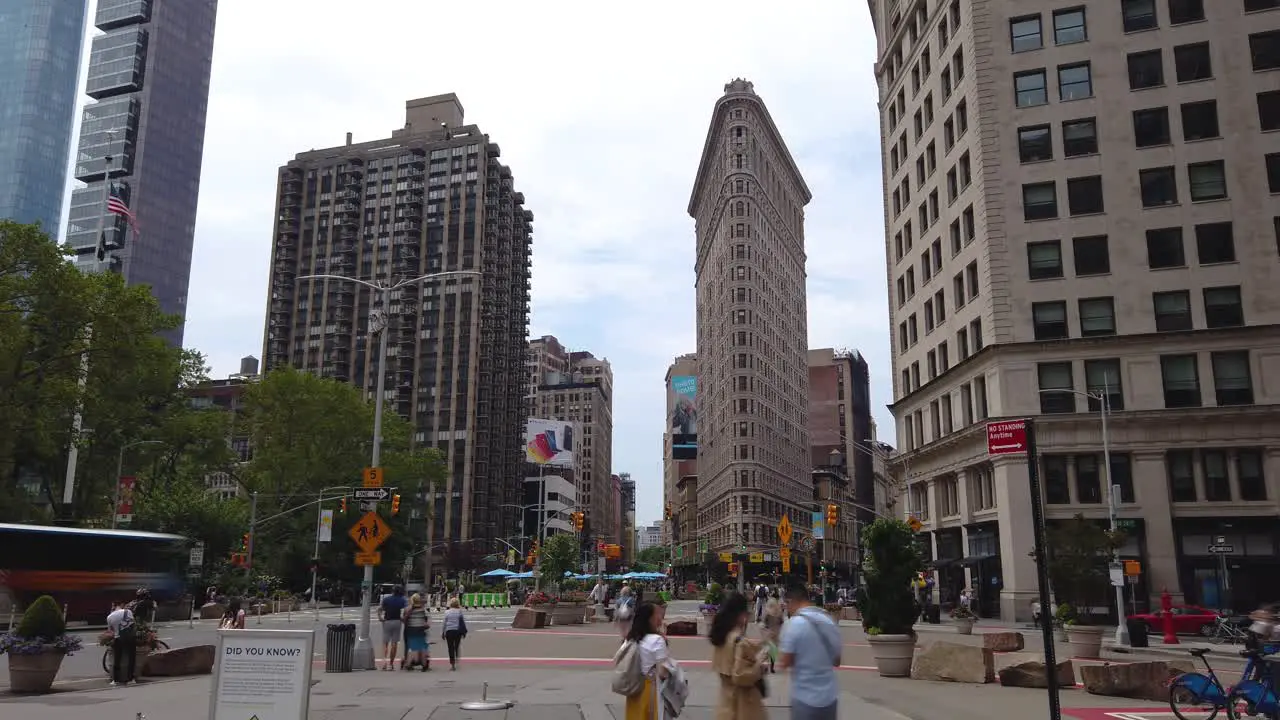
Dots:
(934, 614)
(340, 648)
(1137, 633)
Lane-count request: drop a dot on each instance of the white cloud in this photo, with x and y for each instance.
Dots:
(601, 112)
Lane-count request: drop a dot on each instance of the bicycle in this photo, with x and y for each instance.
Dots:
(1197, 691)
(1253, 698)
(159, 646)
(1224, 630)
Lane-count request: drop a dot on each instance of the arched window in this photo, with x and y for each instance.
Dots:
(738, 186)
(740, 208)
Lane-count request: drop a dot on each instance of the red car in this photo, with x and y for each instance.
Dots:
(1187, 620)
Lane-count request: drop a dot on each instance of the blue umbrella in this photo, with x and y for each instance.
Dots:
(498, 573)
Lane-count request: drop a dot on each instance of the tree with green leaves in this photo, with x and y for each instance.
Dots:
(652, 558)
(559, 554)
(1079, 552)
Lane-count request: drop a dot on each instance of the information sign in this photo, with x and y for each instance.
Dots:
(262, 673)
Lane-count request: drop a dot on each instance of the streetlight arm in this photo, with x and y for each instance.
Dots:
(429, 276)
(340, 278)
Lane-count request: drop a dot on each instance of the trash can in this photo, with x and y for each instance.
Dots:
(934, 614)
(1137, 632)
(339, 648)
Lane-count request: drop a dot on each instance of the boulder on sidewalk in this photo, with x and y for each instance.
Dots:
(1032, 675)
(954, 662)
(683, 628)
(194, 660)
(1138, 680)
(212, 611)
(529, 619)
(1003, 641)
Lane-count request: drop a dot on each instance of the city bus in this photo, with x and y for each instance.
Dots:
(86, 570)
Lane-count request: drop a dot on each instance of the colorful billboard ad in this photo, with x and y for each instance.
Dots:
(550, 443)
(819, 526)
(684, 417)
(124, 498)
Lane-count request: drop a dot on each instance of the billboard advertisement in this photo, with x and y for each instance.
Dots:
(550, 443)
(684, 417)
(124, 498)
(819, 526)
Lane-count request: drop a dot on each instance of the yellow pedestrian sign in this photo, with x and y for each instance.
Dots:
(370, 532)
(784, 530)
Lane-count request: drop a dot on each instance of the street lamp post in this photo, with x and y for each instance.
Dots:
(363, 658)
(1113, 501)
(115, 506)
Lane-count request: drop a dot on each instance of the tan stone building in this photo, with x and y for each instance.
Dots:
(577, 387)
(1081, 200)
(748, 206)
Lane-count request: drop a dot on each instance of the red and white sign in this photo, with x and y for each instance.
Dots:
(124, 499)
(1008, 437)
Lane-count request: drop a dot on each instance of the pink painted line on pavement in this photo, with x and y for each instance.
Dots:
(598, 662)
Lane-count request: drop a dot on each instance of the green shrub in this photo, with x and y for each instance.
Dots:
(715, 594)
(43, 619)
(890, 562)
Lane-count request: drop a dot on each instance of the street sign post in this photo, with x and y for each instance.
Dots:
(372, 477)
(377, 494)
(1007, 437)
(1222, 549)
(370, 532)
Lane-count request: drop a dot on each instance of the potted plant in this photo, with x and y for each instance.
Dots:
(710, 605)
(890, 561)
(37, 647)
(964, 619)
(1079, 552)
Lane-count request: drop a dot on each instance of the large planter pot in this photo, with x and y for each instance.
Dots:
(893, 654)
(1084, 641)
(34, 673)
(704, 624)
(964, 626)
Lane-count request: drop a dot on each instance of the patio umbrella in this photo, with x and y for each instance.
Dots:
(497, 573)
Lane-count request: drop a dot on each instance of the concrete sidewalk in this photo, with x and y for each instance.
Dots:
(540, 694)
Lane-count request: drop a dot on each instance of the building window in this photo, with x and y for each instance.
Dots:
(1260, 5)
(1030, 88)
(1185, 11)
(1273, 172)
(1146, 70)
(1069, 26)
(1039, 201)
(1269, 110)
(1122, 475)
(1102, 377)
(1217, 483)
(1044, 260)
(1035, 143)
(1164, 248)
(1088, 480)
(1056, 489)
(1173, 310)
(1024, 33)
(1208, 180)
(1249, 473)
(1181, 379)
(1079, 137)
(1151, 127)
(1264, 50)
(1192, 62)
(1232, 380)
(1200, 120)
(1084, 195)
(1180, 465)
(1215, 243)
(1223, 307)
(1138, 14)
(1097, 317)
(1159, 186)
(1075, 82)
(1057, 390)
(1091, 255)
(1049, 320)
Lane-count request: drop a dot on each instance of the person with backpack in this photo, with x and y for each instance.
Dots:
(624, 610)
(642, 663)
(810, 648)
(123, 626)
(739, 661)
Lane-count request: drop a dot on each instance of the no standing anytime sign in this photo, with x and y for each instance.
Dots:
(1007, 437)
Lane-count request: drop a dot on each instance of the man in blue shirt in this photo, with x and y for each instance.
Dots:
(810, 647)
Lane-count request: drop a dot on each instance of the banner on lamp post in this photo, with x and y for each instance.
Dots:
(326, 526)
(124, 498)
(818, 527)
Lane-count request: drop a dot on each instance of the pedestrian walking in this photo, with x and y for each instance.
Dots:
(810, 648)
(455, 629)
(739, 661)
(123, 626)
(234, 617)
(417, 624)
(391, 615)
(772, 629)
(626, 607)
(760, 594)
(646, 632)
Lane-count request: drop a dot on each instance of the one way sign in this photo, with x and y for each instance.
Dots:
(374, 494)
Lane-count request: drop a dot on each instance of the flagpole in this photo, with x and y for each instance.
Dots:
(77, 421)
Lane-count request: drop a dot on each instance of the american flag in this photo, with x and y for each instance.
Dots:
(117, 205)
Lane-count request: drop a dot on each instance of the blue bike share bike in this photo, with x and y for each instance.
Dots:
(1201, 696)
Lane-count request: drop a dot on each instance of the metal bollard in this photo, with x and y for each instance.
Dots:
(342, 609)
(191, 617)
(258, 609)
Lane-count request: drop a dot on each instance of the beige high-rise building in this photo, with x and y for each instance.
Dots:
(1081, 202)
(577, 387)
(753, 399)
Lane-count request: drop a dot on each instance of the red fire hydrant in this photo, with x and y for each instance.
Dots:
(1166, 613)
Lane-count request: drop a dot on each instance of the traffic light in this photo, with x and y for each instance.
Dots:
(244, 542)
(833, 515)
(395, 504)
(668, 511)
(733, 569)
(343, 507)
(577, 519)
(534, 552)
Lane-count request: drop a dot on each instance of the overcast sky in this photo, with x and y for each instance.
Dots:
(601, 113)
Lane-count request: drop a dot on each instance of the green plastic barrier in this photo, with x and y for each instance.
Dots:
(469, 600)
